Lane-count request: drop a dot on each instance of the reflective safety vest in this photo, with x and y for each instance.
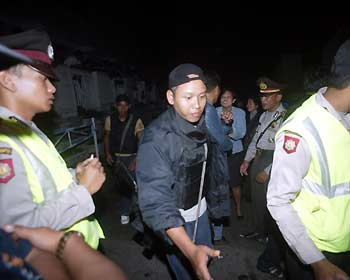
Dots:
(323, 204)
(46, 171)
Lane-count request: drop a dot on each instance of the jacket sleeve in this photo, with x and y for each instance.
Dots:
(238, 125)
(155, 179)
(215, 129)
(17, 205)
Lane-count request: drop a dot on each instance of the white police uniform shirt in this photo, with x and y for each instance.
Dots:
(16, 202)
(287, 173)
(266, 141)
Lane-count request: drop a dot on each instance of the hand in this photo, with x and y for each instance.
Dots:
(42, 238)
(92, 176)
(243, 169)
(199, 260)
(81, 165)
(109, 159)
(325, 270)
(227, 117)
(262, 177)
(132, 165)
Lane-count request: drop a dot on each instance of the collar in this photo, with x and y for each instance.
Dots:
(322, 101)
(7, 114)
(196, 132)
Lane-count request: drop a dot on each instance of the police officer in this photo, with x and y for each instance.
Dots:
(309, 189)
(36, 187)
(261, 150)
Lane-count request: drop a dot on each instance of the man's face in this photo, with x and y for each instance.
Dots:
(271, 101)
(189, 100)
(33, 92)
(122, 108)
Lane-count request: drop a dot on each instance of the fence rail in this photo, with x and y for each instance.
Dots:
(72, 137)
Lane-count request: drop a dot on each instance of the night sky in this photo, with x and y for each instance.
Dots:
(240, 48)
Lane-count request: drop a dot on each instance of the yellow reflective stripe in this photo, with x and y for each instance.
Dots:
(321, 154)
(42, 173)
(334, 191)
(32, 179)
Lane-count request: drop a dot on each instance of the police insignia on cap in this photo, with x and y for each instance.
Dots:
(262, 85)
(50, 51)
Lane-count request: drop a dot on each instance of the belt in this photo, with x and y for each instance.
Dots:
(124, 155)
(259, 151)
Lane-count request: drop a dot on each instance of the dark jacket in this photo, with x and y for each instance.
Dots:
(168, 144)
(117, 128)
(219, 203)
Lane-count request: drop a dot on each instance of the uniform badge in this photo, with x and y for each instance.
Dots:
(5, 151)
(50, 52)
(290, 144)
(6, 170)
(263, 85)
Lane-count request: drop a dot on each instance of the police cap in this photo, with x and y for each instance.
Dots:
(268, 86)
(10, 58)
(34, 44)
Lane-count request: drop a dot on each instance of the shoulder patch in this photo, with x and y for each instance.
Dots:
(6, 170)
(5, 150)
(290, 144)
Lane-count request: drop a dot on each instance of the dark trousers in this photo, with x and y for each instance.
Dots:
(258, 191)
(276, 246)
(297, 270)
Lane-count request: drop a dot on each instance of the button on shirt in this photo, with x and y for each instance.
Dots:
(287, 173)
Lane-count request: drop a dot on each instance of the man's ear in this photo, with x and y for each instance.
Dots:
(279, 97)
(6, 81)
(170, 96)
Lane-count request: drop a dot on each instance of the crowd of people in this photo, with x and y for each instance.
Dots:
(178, 175)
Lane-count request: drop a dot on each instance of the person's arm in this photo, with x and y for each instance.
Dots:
(238, 125)
(157, 199)
(139, 127)
(198, 255)
(106, 144)
(288, 170)
(215, 128)
(77, 257)
(66, 207)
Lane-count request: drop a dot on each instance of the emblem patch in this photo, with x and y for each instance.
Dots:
(6, 170)
(6, 151)
(290, 144)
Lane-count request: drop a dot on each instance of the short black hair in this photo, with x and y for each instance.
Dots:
(122, 97)
(338, 80)
(212, 80)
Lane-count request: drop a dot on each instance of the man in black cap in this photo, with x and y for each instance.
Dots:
(122, 132)
(173, 175)
(37, 188)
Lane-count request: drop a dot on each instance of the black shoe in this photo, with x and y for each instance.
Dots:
(243, 277)
(240, 217)
(249, 235)
(262, 239)
(273, 270)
